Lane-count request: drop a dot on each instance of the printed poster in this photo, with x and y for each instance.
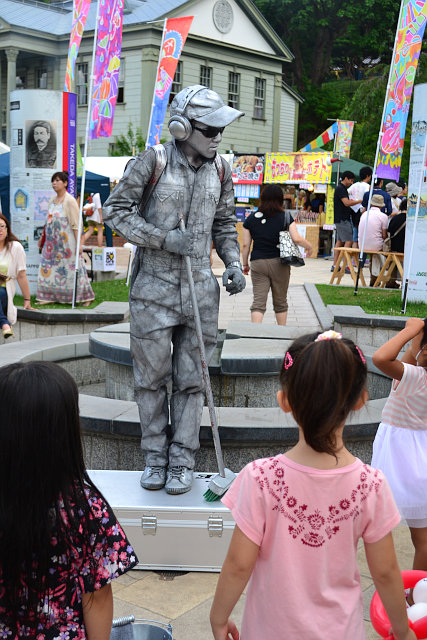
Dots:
(298, 167)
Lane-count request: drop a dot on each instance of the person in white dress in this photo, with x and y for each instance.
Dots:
(400, 446)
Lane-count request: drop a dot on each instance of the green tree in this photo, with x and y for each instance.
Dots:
(130, 144)
(321, 33)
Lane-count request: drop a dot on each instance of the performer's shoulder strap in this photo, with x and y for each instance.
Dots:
(159, 167)
(219, 167)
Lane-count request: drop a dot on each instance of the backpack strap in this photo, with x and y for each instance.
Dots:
(161, 161)
(219, 167)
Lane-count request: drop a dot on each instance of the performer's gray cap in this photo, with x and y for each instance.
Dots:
(377, 200)
(204, 105)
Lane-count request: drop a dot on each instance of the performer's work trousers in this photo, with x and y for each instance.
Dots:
(161, 316)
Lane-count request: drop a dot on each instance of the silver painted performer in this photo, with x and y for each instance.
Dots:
(197, 186)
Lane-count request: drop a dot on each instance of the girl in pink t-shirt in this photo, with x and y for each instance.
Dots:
(299, 515)
(400, 446)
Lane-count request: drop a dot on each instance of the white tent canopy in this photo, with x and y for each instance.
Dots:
(111, 166)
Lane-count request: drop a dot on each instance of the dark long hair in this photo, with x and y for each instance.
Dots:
(10, 237)
(41, 470)
(323, 384)
(271, 201)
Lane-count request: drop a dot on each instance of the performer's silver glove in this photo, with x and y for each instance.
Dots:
(233, 279)
(180, 242)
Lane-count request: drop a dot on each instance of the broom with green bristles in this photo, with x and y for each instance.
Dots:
(221, 482)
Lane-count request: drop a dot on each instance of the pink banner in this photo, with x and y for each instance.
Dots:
(410, 31)
(80, 11)
(107, 66)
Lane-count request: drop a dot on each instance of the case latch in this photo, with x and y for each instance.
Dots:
(215, 526)
(149, 525)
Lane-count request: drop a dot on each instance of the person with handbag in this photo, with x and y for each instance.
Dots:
(12, 269)
(267, 271)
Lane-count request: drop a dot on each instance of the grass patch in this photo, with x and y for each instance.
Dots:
(386, 302)
(106, 291)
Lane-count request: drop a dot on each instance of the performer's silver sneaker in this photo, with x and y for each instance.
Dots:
(153, 478)
(179, 480)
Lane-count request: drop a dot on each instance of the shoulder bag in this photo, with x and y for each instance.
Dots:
(289, 252)
(387, 241)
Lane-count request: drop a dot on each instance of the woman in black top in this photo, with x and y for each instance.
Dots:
(267, 272)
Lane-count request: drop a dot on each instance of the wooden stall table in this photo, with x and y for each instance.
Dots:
(345, 256)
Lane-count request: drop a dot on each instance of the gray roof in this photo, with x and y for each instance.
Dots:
(57, 19)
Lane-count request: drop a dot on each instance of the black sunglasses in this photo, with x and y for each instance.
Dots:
(210, 132)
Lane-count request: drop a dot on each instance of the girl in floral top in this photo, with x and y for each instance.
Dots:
(60, 543)
(299, 515)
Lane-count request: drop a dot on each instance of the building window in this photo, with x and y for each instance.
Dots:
(21, 79)
(206, 76)
(177, 82)
(259, 103)
(41, 78)
(121, 83)
(81, 83)
(233, 90)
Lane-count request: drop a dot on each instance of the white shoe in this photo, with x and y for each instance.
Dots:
(179, 480)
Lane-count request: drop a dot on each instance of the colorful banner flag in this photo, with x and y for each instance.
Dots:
(248, 169)
(106, 68)
(175, 35)
(298, 167)
(80, 12)
(410, 31)
(324, 137)
(329, 218)
(344, 136)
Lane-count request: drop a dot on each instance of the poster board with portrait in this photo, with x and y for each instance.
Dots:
(43, 141)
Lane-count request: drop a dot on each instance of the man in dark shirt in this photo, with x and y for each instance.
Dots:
(342, 213)
(388, 207)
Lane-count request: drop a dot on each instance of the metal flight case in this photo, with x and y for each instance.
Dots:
(169, 532)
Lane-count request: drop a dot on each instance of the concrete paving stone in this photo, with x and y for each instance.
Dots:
(166, 597)
(195, 623)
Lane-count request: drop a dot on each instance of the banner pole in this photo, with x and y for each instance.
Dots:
(380, 135)
(82, 186)
(417, 208)
(155, 80)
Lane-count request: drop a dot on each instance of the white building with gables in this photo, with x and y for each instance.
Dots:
(230, 48)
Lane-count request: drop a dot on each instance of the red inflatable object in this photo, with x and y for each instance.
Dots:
(379, 617)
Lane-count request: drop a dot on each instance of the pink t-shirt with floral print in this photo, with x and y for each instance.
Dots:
(307, 523)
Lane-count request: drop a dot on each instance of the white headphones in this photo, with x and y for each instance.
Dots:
(179, 126)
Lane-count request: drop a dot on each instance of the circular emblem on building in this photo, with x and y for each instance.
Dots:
(223, 16)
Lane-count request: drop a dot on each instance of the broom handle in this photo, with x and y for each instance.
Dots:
(205, 369)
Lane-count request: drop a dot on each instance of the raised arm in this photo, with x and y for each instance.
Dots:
(385, 358)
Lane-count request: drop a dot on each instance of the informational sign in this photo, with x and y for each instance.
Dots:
(298, 167)
(248, 169)
(302, 230)
(246, 190)
(417, 278)
(43, 141)
(104, 259)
